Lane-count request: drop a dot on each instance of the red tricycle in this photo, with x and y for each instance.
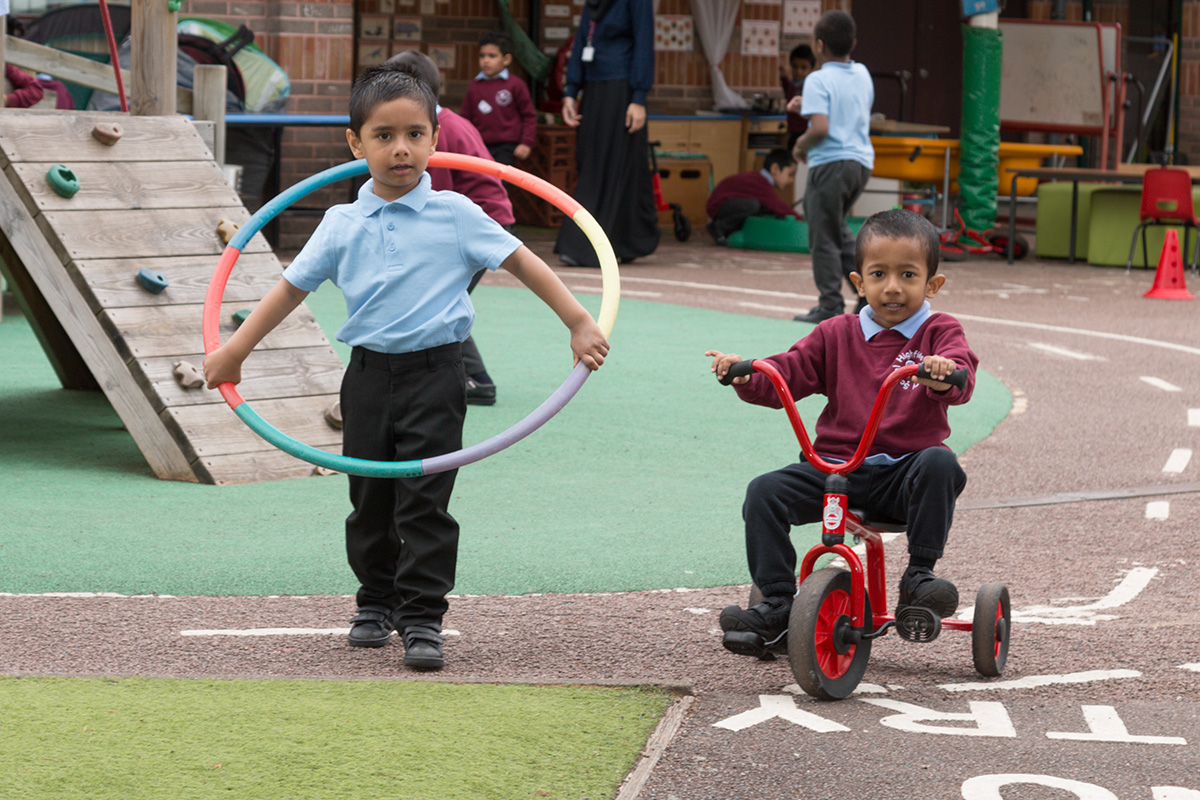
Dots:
(837, 614)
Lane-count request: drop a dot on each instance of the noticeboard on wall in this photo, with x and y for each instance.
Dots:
(1053, 76)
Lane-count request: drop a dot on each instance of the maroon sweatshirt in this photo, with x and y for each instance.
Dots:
(502, 110)
(456, 135)
(26, 90)
(837, 361)
(749, 184)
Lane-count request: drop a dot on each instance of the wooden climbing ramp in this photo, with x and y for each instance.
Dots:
(153, 200)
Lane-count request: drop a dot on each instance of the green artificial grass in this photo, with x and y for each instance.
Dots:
(637, 484)
(129, 739)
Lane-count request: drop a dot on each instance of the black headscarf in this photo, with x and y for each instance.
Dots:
(597, 9)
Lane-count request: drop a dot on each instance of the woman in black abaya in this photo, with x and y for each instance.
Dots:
(609, 73)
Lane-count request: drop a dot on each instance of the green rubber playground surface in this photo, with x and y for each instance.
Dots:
(636, 484)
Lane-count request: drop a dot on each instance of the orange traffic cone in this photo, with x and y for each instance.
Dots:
(1168, 279)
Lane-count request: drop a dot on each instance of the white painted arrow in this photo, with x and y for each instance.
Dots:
(1130, 586)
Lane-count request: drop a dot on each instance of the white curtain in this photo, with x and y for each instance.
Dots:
(714, 21)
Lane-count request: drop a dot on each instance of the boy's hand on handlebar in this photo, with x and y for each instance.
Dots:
(722, 362)
(938, 368)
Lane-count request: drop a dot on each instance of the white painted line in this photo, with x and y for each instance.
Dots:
(1158, 509)
(284, 632)
(89, 594)
(1033, 681)
(1105, 725)
(711, 287)
(1178, 460)
(1193, 667)
(701, 611)
(1130, 587)
(1062, 351)
(783, 707)
(764, 307)
(1159, 383)
(1194, 417)
(1118, 337)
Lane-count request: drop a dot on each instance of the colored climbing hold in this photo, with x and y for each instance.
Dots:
(62, 180)
(226, 229)
(240, 316)
(106, 133)
(153, 282)
(333, 415)
(188, 375)
(174, 5)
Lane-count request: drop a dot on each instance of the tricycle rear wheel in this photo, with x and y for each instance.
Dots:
(990, 629)
(825, 663)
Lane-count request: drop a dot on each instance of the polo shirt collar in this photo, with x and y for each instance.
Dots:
(907, 329)
(500, 76)
(767, 174)
(370, 203)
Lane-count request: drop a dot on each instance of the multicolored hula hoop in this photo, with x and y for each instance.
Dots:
(426, 466)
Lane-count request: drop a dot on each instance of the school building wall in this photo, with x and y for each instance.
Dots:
(320, 43)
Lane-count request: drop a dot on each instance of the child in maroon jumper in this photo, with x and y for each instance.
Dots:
(791, 78)
(750, 194)
(498, 104)
(909, 473)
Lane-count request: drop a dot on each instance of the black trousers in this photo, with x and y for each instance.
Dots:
(732, 215)
(920, 490)
(401, 541)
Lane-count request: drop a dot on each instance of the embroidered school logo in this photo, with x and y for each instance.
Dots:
(504, 97)
(903, 360)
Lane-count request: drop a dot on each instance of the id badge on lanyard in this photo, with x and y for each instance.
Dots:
(589, 52)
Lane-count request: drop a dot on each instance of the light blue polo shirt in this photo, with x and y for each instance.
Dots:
(403, 266)
(844, 93)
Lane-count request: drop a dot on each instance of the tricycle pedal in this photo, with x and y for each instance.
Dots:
(748, 643)
(917, 624)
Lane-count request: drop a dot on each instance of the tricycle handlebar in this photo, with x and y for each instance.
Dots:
(957, 378)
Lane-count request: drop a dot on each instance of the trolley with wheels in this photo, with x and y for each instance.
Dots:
(838, 613)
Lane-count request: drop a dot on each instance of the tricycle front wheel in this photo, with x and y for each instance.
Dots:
(825, 663)
(990, 629)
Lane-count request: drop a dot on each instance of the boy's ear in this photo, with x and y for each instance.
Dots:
(506, 59)
(933, 285)
(355, 145)
(857, 280)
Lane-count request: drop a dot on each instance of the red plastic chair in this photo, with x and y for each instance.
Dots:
(1166, 200)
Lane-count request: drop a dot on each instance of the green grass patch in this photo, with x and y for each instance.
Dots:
(129, 739)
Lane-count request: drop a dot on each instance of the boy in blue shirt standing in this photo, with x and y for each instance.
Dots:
(837, 101)
(403, 256)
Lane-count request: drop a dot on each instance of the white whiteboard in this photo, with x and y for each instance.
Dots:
(1052, 77)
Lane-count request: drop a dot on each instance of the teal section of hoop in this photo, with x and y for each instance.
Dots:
(293, 193)
(333, 461)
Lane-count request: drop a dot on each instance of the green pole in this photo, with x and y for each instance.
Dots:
(978, 152)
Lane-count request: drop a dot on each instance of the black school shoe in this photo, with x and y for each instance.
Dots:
(817, 315)
(756, 630)
(370, 629)
(423, 648)
(480, 394)
(920, 587)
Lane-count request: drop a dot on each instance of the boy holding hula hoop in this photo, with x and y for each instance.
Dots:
(403, 256)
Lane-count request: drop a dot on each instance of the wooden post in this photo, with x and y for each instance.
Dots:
(208, 103)
(152, 59)
(3, 39)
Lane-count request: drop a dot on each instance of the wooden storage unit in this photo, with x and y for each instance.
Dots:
(553, 160)
(685, 181)
(761, 135)
(719, 139)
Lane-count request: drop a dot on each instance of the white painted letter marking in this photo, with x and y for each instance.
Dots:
(990, 719)
(1106, 726)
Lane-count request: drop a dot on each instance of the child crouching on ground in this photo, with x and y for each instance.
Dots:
(403, 256)
(909, 474)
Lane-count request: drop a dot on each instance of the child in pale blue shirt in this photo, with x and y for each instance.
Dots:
(403, 256)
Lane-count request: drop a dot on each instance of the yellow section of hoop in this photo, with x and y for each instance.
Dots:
(610, 276)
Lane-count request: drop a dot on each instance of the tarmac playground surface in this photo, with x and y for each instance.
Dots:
(1082, 500)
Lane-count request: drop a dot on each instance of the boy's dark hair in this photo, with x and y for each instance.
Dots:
(780, 157)
(499, 38)
(836, 29)
(899, 223)
(802, 51)
(389, 81)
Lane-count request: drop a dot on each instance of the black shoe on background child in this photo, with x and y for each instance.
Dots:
(370, 629)
(753, 631)
(423, 647)
(920, 587)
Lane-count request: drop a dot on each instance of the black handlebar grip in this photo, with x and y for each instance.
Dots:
(736, 371)
(957, 377)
